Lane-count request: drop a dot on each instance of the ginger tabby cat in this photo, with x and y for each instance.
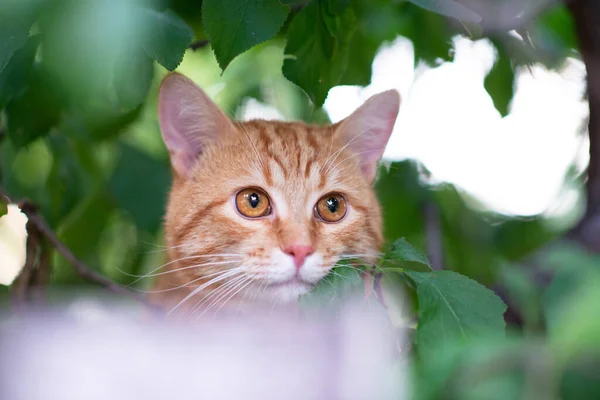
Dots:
(261, 211)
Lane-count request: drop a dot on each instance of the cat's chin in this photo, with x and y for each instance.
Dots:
(282, 292)
(289, 291)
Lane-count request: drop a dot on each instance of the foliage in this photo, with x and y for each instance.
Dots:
(79, 138)
(3, 207)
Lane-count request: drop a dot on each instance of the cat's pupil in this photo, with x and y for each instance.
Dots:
(332, 205)
(253, 199)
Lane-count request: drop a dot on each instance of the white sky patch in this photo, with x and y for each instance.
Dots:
(515, 165)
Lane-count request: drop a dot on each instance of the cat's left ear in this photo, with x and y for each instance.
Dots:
(367, 130)
(189, 121)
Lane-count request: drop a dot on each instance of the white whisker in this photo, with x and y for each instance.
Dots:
(216, 292)
(232, 296)
(184, 285)
(203, 286)
(225, 293)
(149, 274)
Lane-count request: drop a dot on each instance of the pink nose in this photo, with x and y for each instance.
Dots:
(299, 252)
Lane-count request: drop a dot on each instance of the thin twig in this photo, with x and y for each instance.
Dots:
(198, 44)
(433, 230)
(83, 270)
(20, 286)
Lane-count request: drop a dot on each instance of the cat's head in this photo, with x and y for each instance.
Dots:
(264, 208)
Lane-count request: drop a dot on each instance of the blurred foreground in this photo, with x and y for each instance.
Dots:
(95, 350)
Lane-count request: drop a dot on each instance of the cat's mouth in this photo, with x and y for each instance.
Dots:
(293, 283)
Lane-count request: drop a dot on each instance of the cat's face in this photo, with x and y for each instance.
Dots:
(262, 209)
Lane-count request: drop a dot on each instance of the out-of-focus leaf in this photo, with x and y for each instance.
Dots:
(581, 379)
(449, 8)
(81, 233)
(111, 77)
(377, 22)
(139, 184)
(574, 269)
(575, 331)
(468, 236)
(499, 83)
(335, 7)
(548, 40)
(318, 48)
(453, 307)
(69, 181)
(482, 368)
(33, 113)
(16, 17)
(14, 77)
(559, 23)
(401, 197)
(437, 44)
(131, 80)
(166, 38)
(523, 293)
(233, 26)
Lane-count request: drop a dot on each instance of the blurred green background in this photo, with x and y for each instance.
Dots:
(80, 139)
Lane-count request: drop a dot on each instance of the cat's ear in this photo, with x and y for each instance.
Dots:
(188, 120)
(367, 130)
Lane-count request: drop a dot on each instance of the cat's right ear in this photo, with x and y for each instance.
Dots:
(188, 120)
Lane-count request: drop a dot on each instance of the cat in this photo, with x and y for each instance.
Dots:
(260, 211)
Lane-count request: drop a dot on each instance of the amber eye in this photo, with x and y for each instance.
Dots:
(331, 207)
(253, 203)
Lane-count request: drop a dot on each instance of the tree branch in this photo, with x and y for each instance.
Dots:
(586, 14)
(39, 223)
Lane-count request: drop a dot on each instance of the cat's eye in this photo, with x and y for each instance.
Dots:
(331, 207)
(253, 203)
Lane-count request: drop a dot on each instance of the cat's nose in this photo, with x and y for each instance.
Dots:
(299, 252)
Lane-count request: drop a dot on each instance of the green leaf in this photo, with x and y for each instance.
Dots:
(39, 99)
(234, 26)
(15, 75)
(336, 7)
(449, 8)
(339, 282)
(377, 22)
(575, 331)
(130, 81)
(111, 77)
(499, 83)
(81, 232)
(437, 43)
(167, 37)
(16, 17)
(69, 181)
(403, 251)
(10, 43)
(575, 268)
(139, 184)
(318, 48)
(452, 308)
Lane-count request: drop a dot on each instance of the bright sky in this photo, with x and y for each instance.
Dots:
(447, 120)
